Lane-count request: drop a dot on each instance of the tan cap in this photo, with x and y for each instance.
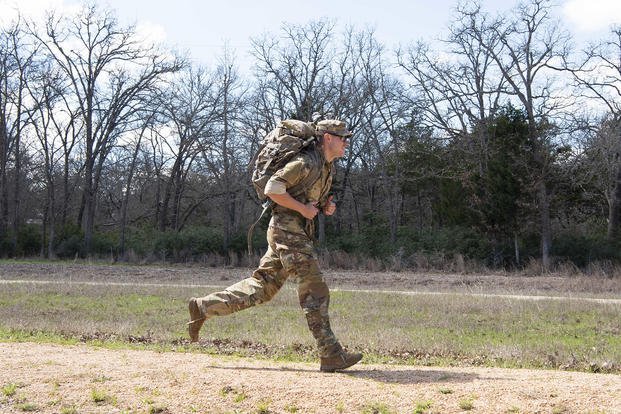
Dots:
(334, 127)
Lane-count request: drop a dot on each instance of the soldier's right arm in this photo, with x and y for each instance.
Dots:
(308, 210)
(285, 178)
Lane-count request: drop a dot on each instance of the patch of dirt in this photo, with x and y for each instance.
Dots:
(56, 378)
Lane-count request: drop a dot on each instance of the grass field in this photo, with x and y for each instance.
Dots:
(448, 329)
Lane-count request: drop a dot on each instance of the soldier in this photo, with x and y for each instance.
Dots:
(290, 250)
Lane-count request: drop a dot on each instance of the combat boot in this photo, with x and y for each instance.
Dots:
(197, 318)
(339, 361)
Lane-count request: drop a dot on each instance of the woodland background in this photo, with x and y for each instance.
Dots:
(496, 147)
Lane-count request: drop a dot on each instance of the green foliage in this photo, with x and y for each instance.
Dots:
(9, 390)
(26, 406)
(187, 244)
(582, 250)
(6, 247)
(68, 410)
(377, 408)
(373, 241)
(422, 407)
(448, 240)
(104, 243)
(450, 206)
(500, 182)
(239, 240)
(466, 404)
(69, 241)
(28, 240)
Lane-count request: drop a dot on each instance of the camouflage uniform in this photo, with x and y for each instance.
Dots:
(290, 253)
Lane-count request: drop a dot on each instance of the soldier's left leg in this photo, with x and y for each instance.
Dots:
(261, 287)
(314, 298)
(299, 260)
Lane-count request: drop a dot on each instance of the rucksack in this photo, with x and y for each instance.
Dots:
(288, 139)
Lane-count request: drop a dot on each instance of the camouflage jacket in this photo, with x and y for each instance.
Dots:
(290, 175)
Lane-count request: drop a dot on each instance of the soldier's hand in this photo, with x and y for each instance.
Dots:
(330, 207)
(310, 210)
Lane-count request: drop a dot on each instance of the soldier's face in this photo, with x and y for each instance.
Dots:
(337, 145)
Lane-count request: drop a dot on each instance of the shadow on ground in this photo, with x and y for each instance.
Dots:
(401, 376)
(412, 376)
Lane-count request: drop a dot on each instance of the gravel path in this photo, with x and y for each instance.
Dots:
(59, 379)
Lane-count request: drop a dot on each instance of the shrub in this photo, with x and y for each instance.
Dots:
(190, 243)
(104, 243)
(29, 240)
(6, 246)
(69, 241)
(582, 250)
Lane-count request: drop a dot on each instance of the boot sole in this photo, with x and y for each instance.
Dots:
(340, 367)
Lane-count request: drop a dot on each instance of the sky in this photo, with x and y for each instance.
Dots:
(203, 27)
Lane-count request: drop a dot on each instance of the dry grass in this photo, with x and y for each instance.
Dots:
(399, 262)
(452, 328)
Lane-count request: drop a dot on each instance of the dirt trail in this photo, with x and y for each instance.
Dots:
(394, 292)
(194, 276)
(56, 377)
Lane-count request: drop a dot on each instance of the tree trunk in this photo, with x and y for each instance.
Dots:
(17, 189)
(88, 206)
(546, 228)
(614, 211)
(51, 253)
(4, 193)
(171, 184)
(229, 207)
(66, 193)
(42, 252)
(49, 220)
(516, 248)
(125, 202)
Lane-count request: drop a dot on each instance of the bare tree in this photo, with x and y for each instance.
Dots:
(354, 80)
(108, 69)
(458, 92)
(189, 108)
(382, 120)
(530, 48)
(599, 75)
(303, 72)
(46, 90)
(224, 159)
(294, 70)
(16, 67)
(147, 121)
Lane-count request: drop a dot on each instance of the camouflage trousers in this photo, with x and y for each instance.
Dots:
(290, 254)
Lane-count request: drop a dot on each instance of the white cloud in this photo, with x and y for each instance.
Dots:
(29, 9)
(151, 32)
(592, 15)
